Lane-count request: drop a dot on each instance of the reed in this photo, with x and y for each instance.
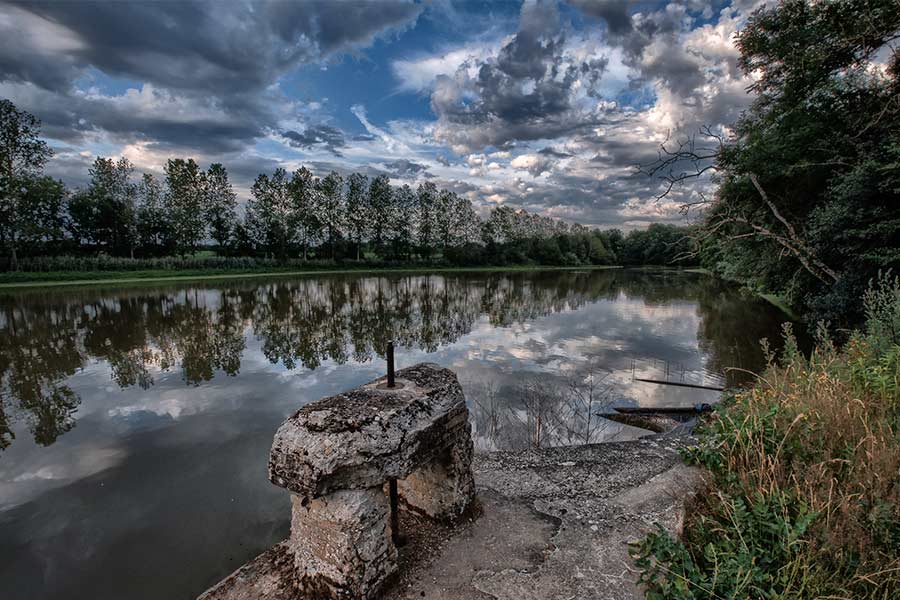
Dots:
(802, 495)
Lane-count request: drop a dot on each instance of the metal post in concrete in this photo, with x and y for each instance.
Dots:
(390, 364)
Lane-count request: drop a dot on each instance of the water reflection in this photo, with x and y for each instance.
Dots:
(143, 417)
(202, 331)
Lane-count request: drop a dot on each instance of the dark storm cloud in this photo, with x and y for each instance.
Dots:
(218, 57)
(405, 169)
(551, 151)
(526, 92)
(142, 118)
(326, 136)
(616, 13)
(207, 46)
(337, 26)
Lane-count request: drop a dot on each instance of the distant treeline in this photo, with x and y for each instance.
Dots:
(289, 217)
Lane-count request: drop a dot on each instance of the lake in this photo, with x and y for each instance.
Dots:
(135, 422)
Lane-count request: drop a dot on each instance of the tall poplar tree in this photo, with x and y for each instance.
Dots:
(106, 212)
(270, 212)
(152, 221)
(332, 210)
(381, 216)
(221, 202)
(404, 217)
(305, 201)
(22, 158)
(185, 196)
(357, 209)
(426, 197)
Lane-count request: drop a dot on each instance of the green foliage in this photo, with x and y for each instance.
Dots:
(271, 212)
(185, 203)
(821, 140)
(220, 204)
(106, 213)
(381, 213)
(743, 560)
(289, 216)
(331, 209)
(659, 244)
(803, 474)
(22, 157)
(357, 209)
(41, 213)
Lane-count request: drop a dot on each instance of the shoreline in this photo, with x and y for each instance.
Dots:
(178, 277)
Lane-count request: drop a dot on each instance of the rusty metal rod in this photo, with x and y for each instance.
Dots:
(390, 367)
(395, 518)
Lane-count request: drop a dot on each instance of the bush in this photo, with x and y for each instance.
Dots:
(804, 478)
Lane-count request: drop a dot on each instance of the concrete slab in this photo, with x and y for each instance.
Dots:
(555, 524)
(550, 524)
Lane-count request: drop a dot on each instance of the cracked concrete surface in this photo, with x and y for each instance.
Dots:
(550, 524)
(555, 524)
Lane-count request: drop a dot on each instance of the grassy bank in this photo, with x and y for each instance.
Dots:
(803, 475)
(20, 279)
(782, 304)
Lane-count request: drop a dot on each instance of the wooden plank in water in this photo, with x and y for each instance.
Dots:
(678, 384)
(661, 410)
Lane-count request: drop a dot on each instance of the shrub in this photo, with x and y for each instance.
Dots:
(804, 478)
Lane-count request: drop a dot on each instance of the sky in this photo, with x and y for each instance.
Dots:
(543, 105)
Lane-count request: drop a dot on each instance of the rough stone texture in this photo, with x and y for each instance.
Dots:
(556, 524)
(269, 576)
(342, 543)
(336, 456)
(361, 438)
(553, 525)
(443, 488)
(548, 524)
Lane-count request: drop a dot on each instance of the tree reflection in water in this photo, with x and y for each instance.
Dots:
(46, 338)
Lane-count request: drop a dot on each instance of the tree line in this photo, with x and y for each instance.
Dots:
(807, 204)
(289, 216)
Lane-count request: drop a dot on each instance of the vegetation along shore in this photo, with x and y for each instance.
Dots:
(19, 279)
(802, 469)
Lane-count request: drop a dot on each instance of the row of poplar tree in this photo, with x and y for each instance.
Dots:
(287, 215)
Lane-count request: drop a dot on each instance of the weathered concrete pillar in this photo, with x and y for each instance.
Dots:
(335, 457)
(443, 488)
(342, 543)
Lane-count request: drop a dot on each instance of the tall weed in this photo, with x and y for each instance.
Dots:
(803, 476)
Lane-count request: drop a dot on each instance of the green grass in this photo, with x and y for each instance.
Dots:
(22, 279)
(802, 478)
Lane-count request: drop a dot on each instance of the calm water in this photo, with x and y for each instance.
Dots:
(135, 423)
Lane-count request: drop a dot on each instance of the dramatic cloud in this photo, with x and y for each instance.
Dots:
(330, 138)
(531, 89)
(406, 169)
(221, 47)
(212, 62)
(547, 105)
